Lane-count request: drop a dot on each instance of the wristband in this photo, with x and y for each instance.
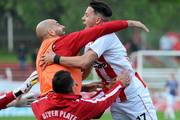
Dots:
(17, 94)
(57, 59)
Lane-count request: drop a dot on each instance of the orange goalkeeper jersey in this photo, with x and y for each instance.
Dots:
(45, 76)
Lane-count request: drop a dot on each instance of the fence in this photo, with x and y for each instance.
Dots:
(156, 67)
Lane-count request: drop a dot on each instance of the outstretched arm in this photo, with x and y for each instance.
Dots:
(27, 85)
(76, 40)
(91, 34)
(87, 35)
(5, 99)
(24, 88)
(85, 60)
(23, 101)
(138, 24)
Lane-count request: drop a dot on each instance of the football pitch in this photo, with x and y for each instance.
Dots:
(106, 116)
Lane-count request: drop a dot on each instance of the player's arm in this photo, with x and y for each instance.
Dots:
(76, 40)
(5, 99)
(97, 106)
(23, 101)
(91, 34)
(24, 88)
(83, 62)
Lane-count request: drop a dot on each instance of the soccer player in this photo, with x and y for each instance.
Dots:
(5, 100)
(63, 104)
(109, 57)
(171, 93)
(51, 33)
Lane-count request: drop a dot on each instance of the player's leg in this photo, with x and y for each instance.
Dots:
(139, 107)
(144, 109)
(170, 105)
(118, 114)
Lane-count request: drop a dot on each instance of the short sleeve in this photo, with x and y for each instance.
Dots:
(101, 45)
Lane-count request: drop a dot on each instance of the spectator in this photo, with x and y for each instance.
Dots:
(171, 92)
(131, 47)
(22, 56)
(176, 45)
(137, 39)
(33, 58)
(167, 41)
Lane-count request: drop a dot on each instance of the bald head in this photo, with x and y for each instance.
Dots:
(49, 28)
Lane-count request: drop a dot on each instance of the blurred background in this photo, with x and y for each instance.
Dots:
(155, 55)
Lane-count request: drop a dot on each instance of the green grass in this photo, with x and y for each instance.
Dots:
(106, 116)
(161, 116)
(10, 57)
(17, 118)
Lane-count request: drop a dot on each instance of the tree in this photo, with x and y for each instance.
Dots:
(160, 16)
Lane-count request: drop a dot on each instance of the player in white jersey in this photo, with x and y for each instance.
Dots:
(134, 102)
(109, 57)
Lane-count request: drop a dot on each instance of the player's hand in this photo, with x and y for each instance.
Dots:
(27, 85)
(92, 86)
(124, 77)
(47, 59)
(138, 24)
(23, 101)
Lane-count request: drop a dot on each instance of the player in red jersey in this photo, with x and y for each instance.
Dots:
(6, 99)
(63, 104)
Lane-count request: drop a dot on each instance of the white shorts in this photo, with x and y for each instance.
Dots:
(139, 107)
(170, 100)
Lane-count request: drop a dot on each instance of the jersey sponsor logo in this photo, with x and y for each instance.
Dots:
(99, 65)
(60, 114)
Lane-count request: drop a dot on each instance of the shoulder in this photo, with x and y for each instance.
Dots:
(40, 100)
(108, 36)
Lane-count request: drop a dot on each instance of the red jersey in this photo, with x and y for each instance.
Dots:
(70, 44)
(6, 99)
(56, 106)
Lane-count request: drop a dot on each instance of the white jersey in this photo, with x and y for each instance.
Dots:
(112, 59)
(134, 101)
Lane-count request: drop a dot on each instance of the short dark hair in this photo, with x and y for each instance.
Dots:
(62, 82)
(101, 7)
